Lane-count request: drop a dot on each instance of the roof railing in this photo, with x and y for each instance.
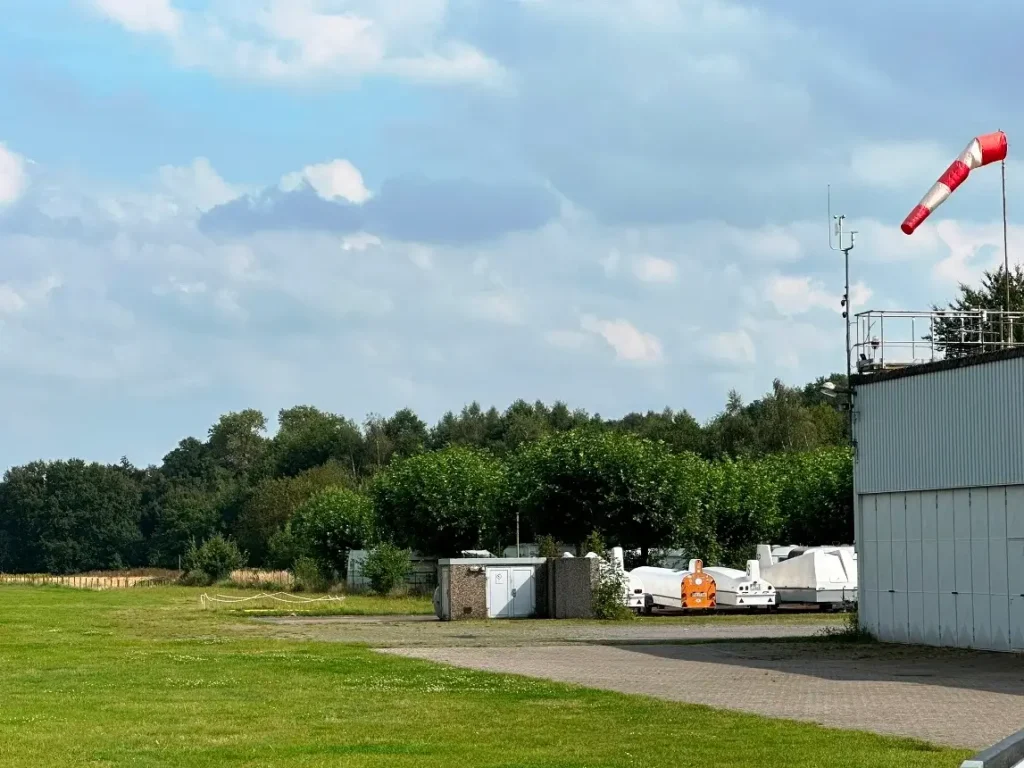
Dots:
(887, 339)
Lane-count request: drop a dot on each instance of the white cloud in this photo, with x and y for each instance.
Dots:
(422, 257)
(301, 40)
(628, 342)
(795, 295)
(13, 177)
(198, 185)
(336, 180)
(899, 164)
(10, 300)
(972, 248)
(360, 241)
(731, 347)
(16, 299)
(142, 16)
(650, 269)
(497, 307)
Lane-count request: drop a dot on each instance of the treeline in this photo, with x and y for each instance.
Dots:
(322, 484)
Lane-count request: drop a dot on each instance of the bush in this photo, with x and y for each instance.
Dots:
(283, 549)
(609, 596)
(547, 547)
(309, 575)
(387, 568)
(330, 524)
(216, 558)
(594, 543)
(850, 631)
(195, 579)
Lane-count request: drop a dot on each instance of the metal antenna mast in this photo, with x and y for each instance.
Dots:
(836, 243)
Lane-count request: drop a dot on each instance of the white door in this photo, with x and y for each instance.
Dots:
(499, 593)
(523, 593)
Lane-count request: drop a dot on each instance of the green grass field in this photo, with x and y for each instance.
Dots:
(145, 677)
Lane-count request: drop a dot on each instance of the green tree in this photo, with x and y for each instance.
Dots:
(622, 486)
(270, 506)
(742, 508)
(440, 502)
(308, 437)
(238, 442)
(183, 515)
(816, 494)
(331, 523)
(192, 464)
(70, 516)
(958, 337)
(677, 429)
(407, 432)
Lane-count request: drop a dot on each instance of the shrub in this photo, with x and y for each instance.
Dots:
(609, 596)
(547, 547)
(217, 557)
(594, 543)
(387, 568)
(195, 579)
(309, 575)
(283, 549)
(850, 631)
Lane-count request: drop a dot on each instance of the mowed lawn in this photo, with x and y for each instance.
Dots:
(145, 677)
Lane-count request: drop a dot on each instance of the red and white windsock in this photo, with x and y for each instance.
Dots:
(990, 148)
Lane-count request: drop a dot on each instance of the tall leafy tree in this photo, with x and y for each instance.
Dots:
(271, 505)
(957, 337)
(238, 442)
(441, 502)
(308, 437)
(67, 516)
(331, 523)
(622, 486)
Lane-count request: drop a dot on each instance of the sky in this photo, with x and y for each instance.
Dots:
(211, 205)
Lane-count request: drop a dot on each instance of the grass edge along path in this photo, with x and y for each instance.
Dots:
(146, 678)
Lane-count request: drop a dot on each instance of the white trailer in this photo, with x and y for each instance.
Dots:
(693, 588)
(823, 575)
(746, 589)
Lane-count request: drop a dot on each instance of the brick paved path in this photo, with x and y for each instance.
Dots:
(944, 697)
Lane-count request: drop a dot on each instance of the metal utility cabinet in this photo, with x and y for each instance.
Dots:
(939, 501)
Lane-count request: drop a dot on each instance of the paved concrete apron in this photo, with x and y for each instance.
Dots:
(952, 698)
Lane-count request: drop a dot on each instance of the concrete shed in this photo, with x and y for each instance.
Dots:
(939, 501)
(492, 588)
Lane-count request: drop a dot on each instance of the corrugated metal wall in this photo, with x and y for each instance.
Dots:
(956, 428)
